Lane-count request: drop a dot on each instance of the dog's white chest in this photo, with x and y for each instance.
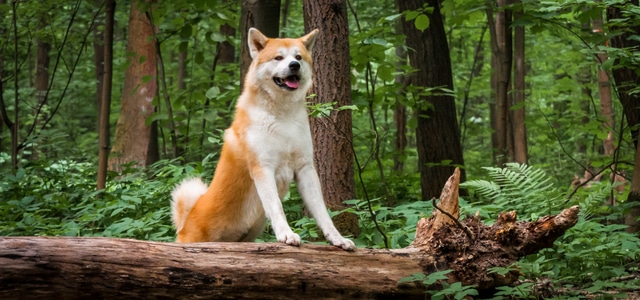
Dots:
(281, 141)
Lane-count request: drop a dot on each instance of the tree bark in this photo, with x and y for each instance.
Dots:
(41, 82)
(519, 128)
(4, 117)
(501, 49)
(263, 15)
(627, 80)
(80, 268)
(105, 98)
(332, 134)
(400, 110)
(604, 90)
(437, 134)
(98, 57)
(133, 135)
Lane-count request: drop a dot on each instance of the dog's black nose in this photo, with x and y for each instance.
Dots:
(294, 66)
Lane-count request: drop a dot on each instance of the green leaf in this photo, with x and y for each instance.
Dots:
(410, 15)
(213, 92)
(392, 18)
(385, 72)
(422, 22)
(607, 64)
(186, 31)
(199, 57)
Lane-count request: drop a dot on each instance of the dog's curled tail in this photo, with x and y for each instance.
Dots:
(184, 197)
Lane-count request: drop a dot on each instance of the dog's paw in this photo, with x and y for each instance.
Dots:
(341, 242)
(289, 238)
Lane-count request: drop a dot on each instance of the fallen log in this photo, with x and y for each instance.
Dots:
(79, 268)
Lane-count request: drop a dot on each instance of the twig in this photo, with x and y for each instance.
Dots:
(458, 223)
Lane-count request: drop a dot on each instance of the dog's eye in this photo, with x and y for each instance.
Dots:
(279, 57)
(298, 57)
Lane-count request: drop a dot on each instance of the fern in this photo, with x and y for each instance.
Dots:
(517, 186)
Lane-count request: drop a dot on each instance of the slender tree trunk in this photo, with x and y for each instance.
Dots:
(438, 134)
(263, 15)
(627, 79)
(41, 81)
(4, 118)
(604, 90)
(284, 15)
(133, 136)
(105, 103)
(225, 55)
(15, 125)
(400, 110)
(176, 150)
(501, 48)
(182, 70)
(519, 128)
(584, 78)
(98, 58)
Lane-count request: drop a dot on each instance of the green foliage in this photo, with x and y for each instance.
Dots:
(523, 188)
(59, 198)
(447, 291)
(588, 255)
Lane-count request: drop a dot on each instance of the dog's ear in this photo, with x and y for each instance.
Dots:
(309, 40)
(257, 42)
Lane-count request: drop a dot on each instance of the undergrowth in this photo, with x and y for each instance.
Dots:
(59, 198)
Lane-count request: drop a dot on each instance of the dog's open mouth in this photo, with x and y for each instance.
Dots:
(289, 83)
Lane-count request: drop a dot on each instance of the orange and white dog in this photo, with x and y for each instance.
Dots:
(266, 147)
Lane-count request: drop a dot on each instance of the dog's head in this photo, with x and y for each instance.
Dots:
(282, 64)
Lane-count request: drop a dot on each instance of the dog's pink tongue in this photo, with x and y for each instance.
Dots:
(292, 83)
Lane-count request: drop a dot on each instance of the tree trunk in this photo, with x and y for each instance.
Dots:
(263, 15)
(4, 117)
(501, 49)
(98, 58)
(79, 268)
(332, 134)
(225, 55)
(438, 134)
(627, 80)
(153, 154)
(182, 69)
(284, 15)
(41, 82)
(133, 135)
(604, 90)
(15, 125)
(519, 128)
(105, 102)
(400, 110)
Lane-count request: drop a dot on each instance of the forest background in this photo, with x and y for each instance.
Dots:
(534, 100)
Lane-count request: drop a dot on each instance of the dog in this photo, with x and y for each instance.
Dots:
(267, 146)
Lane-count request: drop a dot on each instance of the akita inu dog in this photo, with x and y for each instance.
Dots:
(266, 147)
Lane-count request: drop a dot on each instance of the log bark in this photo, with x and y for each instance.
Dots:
(80, 268)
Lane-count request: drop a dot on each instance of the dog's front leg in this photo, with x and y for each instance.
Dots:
(265, 183)
(311, 192)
